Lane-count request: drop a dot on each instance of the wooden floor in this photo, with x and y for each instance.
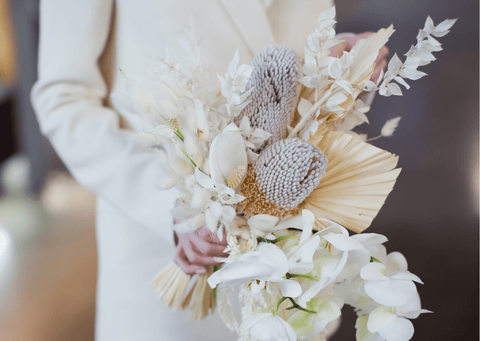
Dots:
(52, 294)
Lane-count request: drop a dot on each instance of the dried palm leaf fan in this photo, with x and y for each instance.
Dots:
(356, 183)
(180, 291)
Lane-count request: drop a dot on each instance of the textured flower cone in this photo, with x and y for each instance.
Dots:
(288, 171)
(181, 291)
(276, 71)
(282, 177)
(357, 180)
(255, 201)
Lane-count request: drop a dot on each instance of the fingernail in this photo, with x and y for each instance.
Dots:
(201, 271)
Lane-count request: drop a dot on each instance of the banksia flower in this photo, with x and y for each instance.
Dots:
(275, 78)
(255, 201)
(288, 171)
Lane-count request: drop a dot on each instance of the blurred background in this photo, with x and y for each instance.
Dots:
(47, 236)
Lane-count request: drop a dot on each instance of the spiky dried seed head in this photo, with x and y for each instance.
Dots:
(255, 201)
(275, 76)
(288, 171)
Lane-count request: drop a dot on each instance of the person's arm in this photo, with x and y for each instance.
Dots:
(68, 100)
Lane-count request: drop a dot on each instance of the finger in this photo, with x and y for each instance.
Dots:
(206, 248)
(194, 256)
(205, 234)
(337, 50)
(351, 41)
(378, 69)
(382, 53)
(190, 269)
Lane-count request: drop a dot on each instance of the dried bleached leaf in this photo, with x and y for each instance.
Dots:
(390, 126)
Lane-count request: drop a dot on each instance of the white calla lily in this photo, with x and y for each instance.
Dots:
(227, 152)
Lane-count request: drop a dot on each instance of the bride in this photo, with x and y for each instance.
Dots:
(82, 46)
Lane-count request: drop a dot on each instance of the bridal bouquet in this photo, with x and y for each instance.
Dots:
(270, 162)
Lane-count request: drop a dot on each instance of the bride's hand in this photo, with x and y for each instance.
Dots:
(350, 39)
(197, 249)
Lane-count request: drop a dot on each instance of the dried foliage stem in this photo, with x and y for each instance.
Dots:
(310, 113)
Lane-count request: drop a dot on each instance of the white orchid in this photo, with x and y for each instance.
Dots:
(336, 245)
(216, 199)
(262, 224)
(307, 324)
(300, 256)
(264, 326)
(267, 265)
(359, 258)
(390, 324)
(391, 284)
(299, 251)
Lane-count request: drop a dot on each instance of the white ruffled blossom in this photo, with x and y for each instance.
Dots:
(266, 265)
(391, 284)
(307, 324)
(300, 256)
(262, 325)
(359, 258)
(336, 245)
(390, 324)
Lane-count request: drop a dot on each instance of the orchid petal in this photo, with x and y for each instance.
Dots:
(392, 293)
(396, 262)
(379, 318)
(374, 272)
(399, 329)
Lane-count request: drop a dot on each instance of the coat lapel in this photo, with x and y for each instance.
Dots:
(251, 21)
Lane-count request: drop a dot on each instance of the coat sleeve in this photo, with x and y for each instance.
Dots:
(68, 101)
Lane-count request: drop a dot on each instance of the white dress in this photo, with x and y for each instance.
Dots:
(134, 233)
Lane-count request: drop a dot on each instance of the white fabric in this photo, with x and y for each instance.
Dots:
(134, 234)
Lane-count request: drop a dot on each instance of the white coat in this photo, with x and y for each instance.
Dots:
(134, 227)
